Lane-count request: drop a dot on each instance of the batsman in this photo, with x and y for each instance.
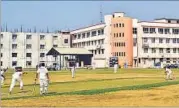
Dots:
(43, 76)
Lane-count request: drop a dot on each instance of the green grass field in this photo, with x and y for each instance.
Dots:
(100, 87)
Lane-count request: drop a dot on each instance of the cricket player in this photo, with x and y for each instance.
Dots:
(73, 69)
(168, 73)
(2, 76)
(115, 67)
(94, 65)
(17, 76)
(42, 74)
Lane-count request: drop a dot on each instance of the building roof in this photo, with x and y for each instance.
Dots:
(68, 51)
(166, 19)
(88, 26)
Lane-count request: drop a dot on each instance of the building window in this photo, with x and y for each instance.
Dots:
(28, 46)
(14, 36)
(119, 24)
(152, 30)
(168, 50)
(83, 35)
(14, 63)
(135, 41)
(102, 51)
(153, 40)
(168, 40)
(55, 46)
(14, 54)
(174, 50)
(145, 40)
(14, 46)
(93, 33)
(1, 36)
(28, 63)
(134, 30)
(122, 24)
(79, 36)
(160, 50)
(28, 54)
(1, 54)
(1, 46)
(167, 31)
(42, 54)
(177, 40)
(146, 30)
(153, 50)
(88, 34)
(74, 36)
(117, 34)
(42, 46)
(102, 31)
(28, 36)
(56, 37)
(175, 31)
(169, 21)
(145, 50)
(168, 60)
(116, 25)
(174, 40)
(42, 37)
(114, 34)
(160, 40)
(122, 34)
(65, 40)
(1, 63)
(160, 30)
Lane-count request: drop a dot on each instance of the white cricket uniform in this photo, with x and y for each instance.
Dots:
(42, 71)
(2, 78)
(17, 76)
(169, 73)
(73, 71)
(94, 66)
(115, 68)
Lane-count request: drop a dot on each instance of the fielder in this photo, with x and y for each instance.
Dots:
(17, 76)
(2, 76)
(73, 71)
(168, 73)
(42, 74)
(115, 67)
(94, 65)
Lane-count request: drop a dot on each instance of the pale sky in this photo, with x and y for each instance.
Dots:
(63, 15)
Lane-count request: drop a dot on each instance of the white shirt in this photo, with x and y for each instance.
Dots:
(17, 75)
(42, 71)
(168, 70)
(115, 66)
(2, 72)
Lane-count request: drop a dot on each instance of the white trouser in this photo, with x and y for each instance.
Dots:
(115, 70)
(2, 80)
(43, 85)
(73, 72)
(169, 74)
(94, 67)
(13, 82)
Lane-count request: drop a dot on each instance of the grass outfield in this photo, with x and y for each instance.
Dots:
(100, 87)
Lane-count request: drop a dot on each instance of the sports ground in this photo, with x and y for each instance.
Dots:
(100, 87)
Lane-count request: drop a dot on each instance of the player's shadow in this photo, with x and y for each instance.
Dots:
(24, 91)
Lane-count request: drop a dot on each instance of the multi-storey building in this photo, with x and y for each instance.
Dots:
(157, 41)
(108, 39)
(28, 49)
